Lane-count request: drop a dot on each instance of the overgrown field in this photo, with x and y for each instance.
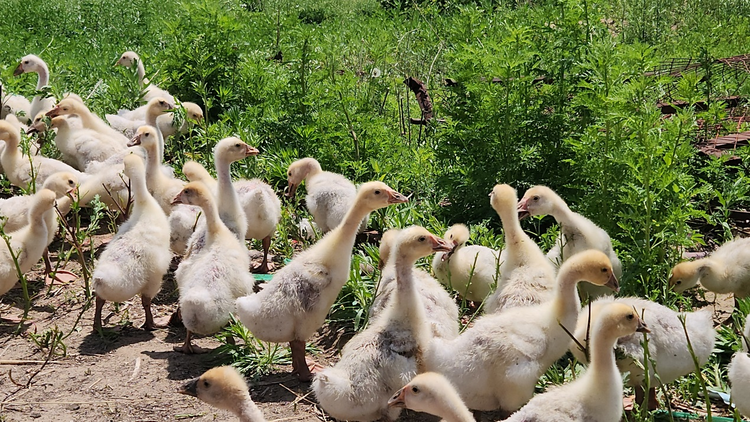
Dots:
(559, 93)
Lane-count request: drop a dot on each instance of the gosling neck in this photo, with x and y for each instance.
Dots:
(153, 172)
(407, 305)
(64, 204)
(603, 372)
(566, 302)
(215, 228)
(43, 79)
(92, 122)
(710, 272)
(249, 411)
(452, 409)
(231, 211)
(141, 71)
(313, 169)
(37, 223)
(141, 197)
(340, 241)
(11, 153)
(561, 212)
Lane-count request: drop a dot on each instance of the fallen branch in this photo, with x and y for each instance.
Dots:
(25, 362)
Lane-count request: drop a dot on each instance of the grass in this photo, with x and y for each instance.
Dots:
(570, 107)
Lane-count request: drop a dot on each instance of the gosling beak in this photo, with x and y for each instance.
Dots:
(54, 112)
(290, 190)
(31, 129)
(177, 199)
(642, 327)
(395, 197)
(249, 151)
(135, 141)
(19, 70)
(612, 283)
(171, 106)
(189, 388)
(446, 256)
(398, 399)
(523, 209)
(440, 245)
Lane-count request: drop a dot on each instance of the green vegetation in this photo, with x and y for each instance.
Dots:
(571, 107)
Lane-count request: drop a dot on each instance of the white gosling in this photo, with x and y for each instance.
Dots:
(20, 169)
(80, 147)
(577, 233)
(294, 304)
(28, 244)
(597, 394)
(527, 277)
(162, 187)
(128, 59)
(226, 152)
(496, 363)
(738, 372)
(137, 258)
(35, 64)
(667, 343)
(471, 270)
(329, 195)
(225, 388)
(726, 270)
(215, 276)
(90, 120)
(438, 303)
(259, 201)
(388, 352)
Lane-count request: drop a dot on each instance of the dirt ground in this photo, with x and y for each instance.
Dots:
(131, 374)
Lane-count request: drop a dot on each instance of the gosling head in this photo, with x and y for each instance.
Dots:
(592, 266)
(687, 274)
(297, 172)
(233, 149)
(424, 393)
(62, 183)
(503, 197)
(222, 387)
(620, 320)
(145, 136)
(39, 124)
(30, 63)
(539, 200)
(376, 195)
(127, 59)
(386, 244)
(416, 242)
(134, 167)
(195, 172)
(194, 193)
(158, 106)
(193, 111)
(456, 235)
(66, 107)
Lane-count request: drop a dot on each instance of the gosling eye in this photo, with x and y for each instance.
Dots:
(236, 145)
(147, 134)
(604, 270)
(206, 384)
(415, 389)
(289, 174)
(26, 62)
(422, 238)
(71, 183)
(377, 192)
(535, 198)
(162, 103)
(678, 282)
(631, 316)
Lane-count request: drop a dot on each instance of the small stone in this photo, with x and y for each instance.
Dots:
(73, 406)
